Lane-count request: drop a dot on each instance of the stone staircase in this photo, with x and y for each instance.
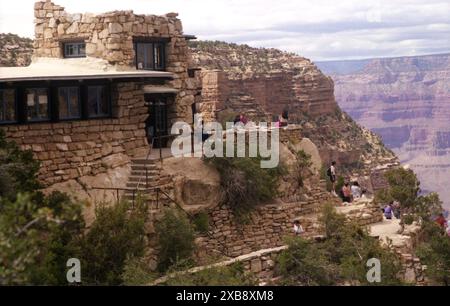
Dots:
(146, 176)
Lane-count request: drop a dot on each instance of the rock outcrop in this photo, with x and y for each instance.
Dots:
(407, 101)
(262, 83)
(15, 50)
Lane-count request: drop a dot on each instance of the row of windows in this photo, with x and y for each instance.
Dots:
(149, 55)
(37, 104)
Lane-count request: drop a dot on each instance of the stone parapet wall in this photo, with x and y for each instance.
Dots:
(261, 263)
(266, 228)
(68, 150)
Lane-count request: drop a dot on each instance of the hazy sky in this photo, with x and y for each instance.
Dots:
(318, 29)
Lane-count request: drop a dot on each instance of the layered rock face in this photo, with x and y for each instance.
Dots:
(264, 80)
(407, 101)
(15, 50)
(262, 83)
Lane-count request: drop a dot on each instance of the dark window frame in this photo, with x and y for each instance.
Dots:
(106, 91)
(52, 90)
(152, 43)
(2, 94)
(49, 108)
(76, 44)
(79, 102)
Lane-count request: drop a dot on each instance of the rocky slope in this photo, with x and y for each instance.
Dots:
(406, 100)
(15, 50)
(265, 82)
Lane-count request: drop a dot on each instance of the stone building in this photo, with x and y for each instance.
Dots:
(99, 89)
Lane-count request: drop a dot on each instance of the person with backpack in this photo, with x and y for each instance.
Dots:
(331, 173)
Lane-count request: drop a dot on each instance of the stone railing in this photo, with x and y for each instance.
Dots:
(261, 263)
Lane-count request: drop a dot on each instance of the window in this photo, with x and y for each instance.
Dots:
(69, 103)
(75, 49)
(98, 104)
(37, 104)
(150, 56)
(8, 106)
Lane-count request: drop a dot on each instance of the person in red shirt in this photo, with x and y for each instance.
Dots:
(441, 221)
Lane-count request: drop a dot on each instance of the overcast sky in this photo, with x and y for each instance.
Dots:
(317, 29)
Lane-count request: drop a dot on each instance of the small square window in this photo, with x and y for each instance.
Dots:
(150, 56)
(75, 49)
(98, 103)
(8, 109)
(69, 103)
(37, 104)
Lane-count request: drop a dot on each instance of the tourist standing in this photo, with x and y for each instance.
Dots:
(331, 173)
(396, 209)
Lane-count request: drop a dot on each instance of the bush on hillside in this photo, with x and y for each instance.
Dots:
(175, 238)
(340, 258)
(244, 183)
(117, 234)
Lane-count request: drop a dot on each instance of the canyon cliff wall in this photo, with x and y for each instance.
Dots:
(262, 83)
(406, 101)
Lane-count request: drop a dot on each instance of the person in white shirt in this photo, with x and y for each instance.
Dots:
(298, 229)
(356, 190)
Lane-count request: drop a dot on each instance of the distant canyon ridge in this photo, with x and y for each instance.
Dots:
(406, 100)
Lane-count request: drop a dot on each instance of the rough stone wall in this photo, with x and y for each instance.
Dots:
(267, 226)
(109, 36)
(369, 214)
(68, 150)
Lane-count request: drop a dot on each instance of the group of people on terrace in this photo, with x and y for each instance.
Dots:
(349, 192)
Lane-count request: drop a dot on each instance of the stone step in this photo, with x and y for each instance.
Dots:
(149, 172)
(143, 161)
(143, 167)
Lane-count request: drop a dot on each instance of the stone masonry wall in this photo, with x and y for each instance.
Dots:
(68, 150)
(109, 36)
(266, 228)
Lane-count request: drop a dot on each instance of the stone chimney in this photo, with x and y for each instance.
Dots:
(47, 20)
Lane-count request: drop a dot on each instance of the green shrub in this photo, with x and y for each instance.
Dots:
(305, 264)
(434, 251)
(302, 165)
(201, 222)
(175, 238)
(117, 234)
(244, 183)
(137, 272)
(340, 258)
(18, 169)
(36, 236)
